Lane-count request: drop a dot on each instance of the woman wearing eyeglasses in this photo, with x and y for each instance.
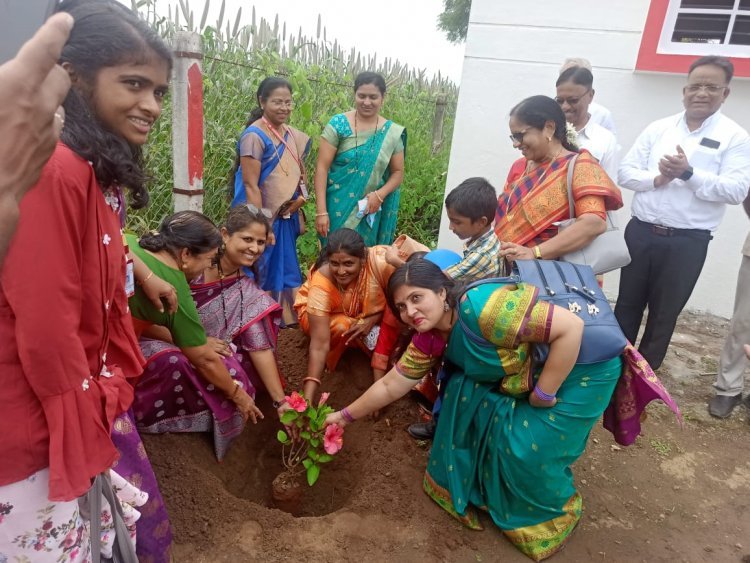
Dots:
(575, 92)
(536, 198)
(270, 174)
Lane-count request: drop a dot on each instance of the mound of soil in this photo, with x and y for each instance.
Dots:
(675, 495)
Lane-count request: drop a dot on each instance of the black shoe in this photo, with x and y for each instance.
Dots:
(721, 406)
(422, 430)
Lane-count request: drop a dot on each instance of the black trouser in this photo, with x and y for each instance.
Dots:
(664, 268)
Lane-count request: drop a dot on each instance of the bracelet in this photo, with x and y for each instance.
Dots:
(321, 214)
(315, 379)
(148, 277)
(377, 195)
(346, 415)
(542, 395)
(236, 390)
(537, 252)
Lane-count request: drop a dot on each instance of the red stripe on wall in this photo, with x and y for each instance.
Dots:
(195, 124)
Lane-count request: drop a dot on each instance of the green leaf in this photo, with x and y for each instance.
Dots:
(313, 455)
(307, 463)
(306, 110)
(289, 416)
(305, 435)
(282, 437)
(324, 458)
(313, 472)
(314, 442)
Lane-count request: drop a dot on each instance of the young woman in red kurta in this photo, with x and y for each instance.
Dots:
(67, 339)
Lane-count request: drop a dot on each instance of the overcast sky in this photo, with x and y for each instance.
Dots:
(399, 29)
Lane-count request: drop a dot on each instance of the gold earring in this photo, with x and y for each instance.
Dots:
(549, 139)
(446, 307)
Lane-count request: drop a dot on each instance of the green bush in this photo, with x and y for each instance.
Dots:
(232, 71)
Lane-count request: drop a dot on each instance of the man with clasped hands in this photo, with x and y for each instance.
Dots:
(684, 169)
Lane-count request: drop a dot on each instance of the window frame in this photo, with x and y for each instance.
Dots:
(658, 53)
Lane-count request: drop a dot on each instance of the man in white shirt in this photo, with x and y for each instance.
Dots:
(599, 114)
(684, 169)
(575, 92)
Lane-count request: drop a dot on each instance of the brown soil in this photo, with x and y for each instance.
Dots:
(675, 495)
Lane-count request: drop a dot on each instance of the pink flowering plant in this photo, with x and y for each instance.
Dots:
(308, 441)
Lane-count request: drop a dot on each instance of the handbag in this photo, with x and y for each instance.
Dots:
(606, 252)
(574, 287)
(122, 549)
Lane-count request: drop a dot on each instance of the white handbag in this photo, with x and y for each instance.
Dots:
(605, 253)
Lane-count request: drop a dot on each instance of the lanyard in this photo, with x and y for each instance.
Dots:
(283, 141)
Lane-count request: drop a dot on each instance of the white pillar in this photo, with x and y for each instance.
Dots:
(187, 121)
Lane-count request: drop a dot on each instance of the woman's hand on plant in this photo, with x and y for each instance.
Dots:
(511, 252)
(373, 203)
(158, 291)
(535, 401)
(322, 224)
(246, 405)
(219, 346)
(335, 418)
(291, 429)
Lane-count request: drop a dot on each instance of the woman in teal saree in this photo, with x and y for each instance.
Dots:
(508, 432)
(360, 158)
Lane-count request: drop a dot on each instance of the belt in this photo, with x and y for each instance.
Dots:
(663, 231)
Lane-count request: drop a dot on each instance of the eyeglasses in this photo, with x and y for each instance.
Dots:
(572, 101)
(712, 89)
(255, 211)
(518, 136)
(282, 103)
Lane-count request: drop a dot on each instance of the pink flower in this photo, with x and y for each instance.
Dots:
(297, 402)
(323, 399)
(333, 440)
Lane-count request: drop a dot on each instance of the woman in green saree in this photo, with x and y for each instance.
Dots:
(508, 432)
(360, 158)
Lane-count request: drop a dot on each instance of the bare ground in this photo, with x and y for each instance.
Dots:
(675, 495)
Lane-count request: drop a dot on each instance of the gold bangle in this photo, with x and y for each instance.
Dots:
(148, 277)
(537, 252)
(377, 195)
(321, 214)
(305, 380)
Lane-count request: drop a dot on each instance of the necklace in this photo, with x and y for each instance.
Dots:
(371, 141)
(237, 273)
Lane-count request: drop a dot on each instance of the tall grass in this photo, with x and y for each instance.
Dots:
(238, 58)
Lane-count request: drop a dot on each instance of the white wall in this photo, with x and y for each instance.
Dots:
(514, 50)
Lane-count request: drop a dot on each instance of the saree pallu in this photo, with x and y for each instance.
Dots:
(495, 451)
(361, 166)
(173, 397)
(279, 179)
(531, 204)
(154, 533)
(320, 296)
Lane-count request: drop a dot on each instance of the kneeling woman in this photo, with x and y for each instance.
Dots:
(494, 448)
(186, 387)
(342, 304)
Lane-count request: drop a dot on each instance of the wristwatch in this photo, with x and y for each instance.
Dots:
(687, 174)
(278, 404)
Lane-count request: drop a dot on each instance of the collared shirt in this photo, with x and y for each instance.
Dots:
(602, 116)
(601, 143)
(481, 259)
(718, 151)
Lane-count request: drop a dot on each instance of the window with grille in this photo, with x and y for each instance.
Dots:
(703, 27)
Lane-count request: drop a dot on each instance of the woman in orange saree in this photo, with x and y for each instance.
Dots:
(342, 304)
(535, 197)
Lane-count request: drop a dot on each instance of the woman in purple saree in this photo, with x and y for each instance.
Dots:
(241, 323)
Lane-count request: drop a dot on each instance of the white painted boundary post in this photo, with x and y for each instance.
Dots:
(187, 121)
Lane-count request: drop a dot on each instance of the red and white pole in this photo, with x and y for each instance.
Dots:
(187, 121)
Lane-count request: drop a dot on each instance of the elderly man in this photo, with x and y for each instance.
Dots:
(730, 380)
(684, 170)
(599, 114)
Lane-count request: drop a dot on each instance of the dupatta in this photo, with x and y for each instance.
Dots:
(529, 206)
